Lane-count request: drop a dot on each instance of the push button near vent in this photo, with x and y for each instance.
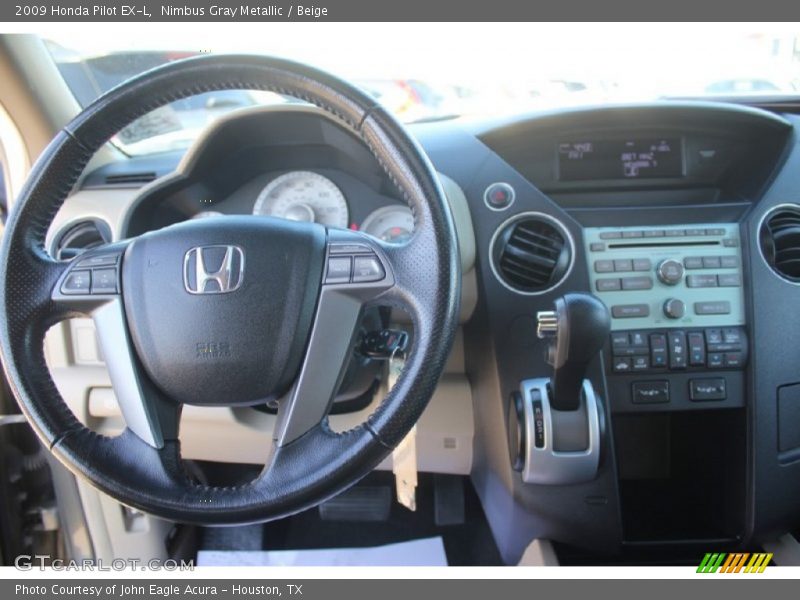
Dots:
(531, 253)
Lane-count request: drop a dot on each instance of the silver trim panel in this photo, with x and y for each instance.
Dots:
(546, 465)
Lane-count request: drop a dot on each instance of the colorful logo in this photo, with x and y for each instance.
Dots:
(736, 562)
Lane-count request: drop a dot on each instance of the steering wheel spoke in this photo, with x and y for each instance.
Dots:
(147, 413)
(90, 285)
(356, 273)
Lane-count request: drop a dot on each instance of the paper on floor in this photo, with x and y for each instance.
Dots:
(424, 552)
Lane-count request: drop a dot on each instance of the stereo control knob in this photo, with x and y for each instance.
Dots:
(670, 271)
(674, 308)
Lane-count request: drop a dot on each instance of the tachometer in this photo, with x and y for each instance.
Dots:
(303, 196)
(390, 223)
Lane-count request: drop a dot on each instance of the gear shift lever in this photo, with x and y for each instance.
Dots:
(577, 330)
(554, 424)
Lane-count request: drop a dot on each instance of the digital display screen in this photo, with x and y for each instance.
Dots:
(640, 158)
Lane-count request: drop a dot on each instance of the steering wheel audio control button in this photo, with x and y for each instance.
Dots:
(77, 283)
(367, 269)
(339, 269)
(104, 281)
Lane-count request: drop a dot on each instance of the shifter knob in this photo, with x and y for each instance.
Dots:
(578, 329)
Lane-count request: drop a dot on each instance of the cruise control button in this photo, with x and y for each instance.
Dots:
(650, 392)
(630, 311)
(366, 269)
(339, 270)
(701, 390)
(77, 282)
(104, 281)
(720, 307)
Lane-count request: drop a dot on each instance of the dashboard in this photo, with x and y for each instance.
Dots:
(681, 217)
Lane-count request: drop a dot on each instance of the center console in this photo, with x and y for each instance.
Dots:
(675, 373)
(676, 299)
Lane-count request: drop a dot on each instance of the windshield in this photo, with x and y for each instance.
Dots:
(433, 71)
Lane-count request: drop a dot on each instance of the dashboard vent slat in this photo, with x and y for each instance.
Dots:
(531, 254)
(130, 179)
(779, 239)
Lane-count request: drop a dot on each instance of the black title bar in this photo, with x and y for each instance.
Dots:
(33, 11)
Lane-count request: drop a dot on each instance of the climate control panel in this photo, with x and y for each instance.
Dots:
(673, 277)
(678, 350)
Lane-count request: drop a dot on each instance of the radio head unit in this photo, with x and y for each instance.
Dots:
(668, 277)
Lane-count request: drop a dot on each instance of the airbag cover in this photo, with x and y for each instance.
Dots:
(201, 344)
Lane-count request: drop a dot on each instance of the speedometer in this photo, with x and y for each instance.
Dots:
(303, 196)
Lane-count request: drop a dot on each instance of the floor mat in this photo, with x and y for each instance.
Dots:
(467, 544)
(414, 553)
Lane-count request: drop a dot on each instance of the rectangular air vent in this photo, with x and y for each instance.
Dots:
(130, 179)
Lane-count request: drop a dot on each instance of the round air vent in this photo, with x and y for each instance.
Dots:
(531, 253)
(79, 237)
(779, 238)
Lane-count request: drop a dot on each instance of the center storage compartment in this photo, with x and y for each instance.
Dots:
(682, 475)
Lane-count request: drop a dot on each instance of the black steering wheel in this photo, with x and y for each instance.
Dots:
(227, 312)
